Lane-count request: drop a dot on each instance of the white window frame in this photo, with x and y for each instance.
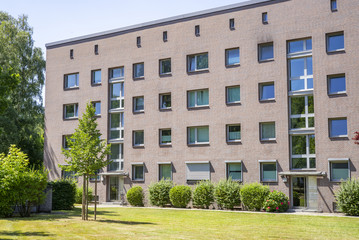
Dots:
(93, 72)
(94, 105)
(330, 77)
(161, 70)
(77, 80)
(227, 133)
(121, 98)
(134, 138)
(165, 144)
(189, 57)
(306, 115)
(120, 160)
(133, 166)
(307, 156)
(159, 169)
(330, 127)
(116, 79)
(261, 85)
(228, 162)
(135, 68)
(261, 131)
(227, 94)
(261, 162)
(195, 97)
(227, 57)
(161, 101)
(337, 160)
(119, 128)
(135, 99)
(328, 35)
(76, 109)
(196, 136)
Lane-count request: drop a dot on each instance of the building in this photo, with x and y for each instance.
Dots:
(263, 91)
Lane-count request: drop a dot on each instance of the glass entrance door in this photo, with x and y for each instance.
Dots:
(114, 189)
(299, 192)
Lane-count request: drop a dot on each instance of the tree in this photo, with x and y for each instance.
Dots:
(23, 65)
(87, 153)
(356, 138)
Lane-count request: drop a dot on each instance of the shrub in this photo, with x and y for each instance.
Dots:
(276, 202)
(253, 196)
(135, 196)
(160, 192)
(180, 196)
(90, 197)
(63, 194)
(227, 194)
(348, 197)
(203, 194)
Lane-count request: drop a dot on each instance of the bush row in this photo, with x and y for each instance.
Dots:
(227, 194)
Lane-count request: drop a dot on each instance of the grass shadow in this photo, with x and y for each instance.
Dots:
(19, 233)
(125, 222)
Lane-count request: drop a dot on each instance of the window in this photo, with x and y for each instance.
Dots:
(117, 95)
(197, 62)
(234, 133)
(71, 111)
(138, 104)
(138, 41)
(138, 138)
(234, 171)
(339, 169)
(165, 171)
(72, 80)
(165, 101)
(116, 126)
(116, 157)
(138, 70)
(96, 77)
(231, 24)
(333, 5)
(302, 45)
(198, 98)
(198, 135)
(338, 128)
(232, 56)
(265, 18)
(95, 177)
(196, 30)
(116, 73)
(138, 172)
(301, 112)
(97, 106)
(165, 66)
(233, 94)
(68, 174)
(303, 151)
(96, 49)
(65, 141)
(71, 54)
(336, 84)
(267, 131)
(196, 171)
(165, 137)
(335, 42)
(165, 36)
(266, 91)
(265, 52)
(268, 170)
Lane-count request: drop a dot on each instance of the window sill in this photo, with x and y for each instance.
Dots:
(303, 169)
(118, 79)
(98, 116)
(264, 141)
(339, 138)
(338, 51)
(234, 142)
(270, 100)
(266, 60)
(165, 145)
(338, 94)
(233, 65)
(138, 180)
(139, 112)
(138, 146)
(198, 71)
(95, 180)
(138, 78)
(233, 103)
(71, 88)
(165, 75)
(165, 109)
(198, 144)
(274, 181)
(69, 119)
(198, 107)
(96, 84)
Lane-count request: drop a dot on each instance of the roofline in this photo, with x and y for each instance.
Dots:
(160, 22)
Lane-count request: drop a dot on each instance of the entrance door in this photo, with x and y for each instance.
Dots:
(115, 189)
(299, 192)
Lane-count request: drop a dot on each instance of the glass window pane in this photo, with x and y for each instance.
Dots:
(299, 145)
(337, 84)
(310, 83)
(202, 97)
(309, 66)
(232, 56)
(268, 131)
(312, 163)
(97, 106)
(166, 66)
(202, 134)
(71, 80)
(234, 171)
(309, 44)
(266, 52)
(192, 135)
(192, 63)
(296, 46)
(267, 91)
(334, 5)
(269, 172)
(310, 104)
(310, 121)
(115, 104)
(297, 105)
(234, 132)
(296, 85)
(139, 70)
(192, 99)
(234, 94)
(297, 123)
(338, 127)
(116, 90)
(114, 134)
(299, 163)
(138, 172)
(139, 103)
(115, 151)
(116, 73)
(166, 171)
(166, 136)
(202, 61)
(138, 137)
(97, 77)
(311, 144)
(69, 111)
(114, 166)
(340, 171)
(335, 42)
(165, 101)
(297, 67)
(115, 120)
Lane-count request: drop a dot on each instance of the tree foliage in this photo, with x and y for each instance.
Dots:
(21, 121)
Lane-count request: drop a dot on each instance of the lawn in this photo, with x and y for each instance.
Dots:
(149, 223)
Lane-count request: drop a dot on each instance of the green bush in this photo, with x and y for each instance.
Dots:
(160, 192)
(253, 196)
(227, 194)
(203, 194)
(63, 194)
(348, 197)
(180, 196)
(276, 202)
(78, 198)
(135, 196)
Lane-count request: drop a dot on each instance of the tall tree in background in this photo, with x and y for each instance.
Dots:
(21, 120)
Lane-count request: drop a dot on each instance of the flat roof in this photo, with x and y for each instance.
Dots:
(160, 22)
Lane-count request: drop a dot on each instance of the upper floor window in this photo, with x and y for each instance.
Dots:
(198, 135)
(303, 151)
(198, 98)
(231, 24)
(71, 54)
(333, 5)
(97, 106)
(138, 104)
(265, 52)
(96, 49)
(96, 77)
(301, 112)
(336, 84)
(233, 94)
(197, 62)
(138, 41)
(266, 91)
(165, 35)
(71, 111)
(267, 131)
(196, 31)
(116, 156)
(138, 138)
(335, 42)
(265, 18)
(117, 95)
(234, 133)
(71, 80)
(301, 73)
(338, 127)
(165, 137)
(138, 70)
(302, 45)
(116, 73)
(116, 126)
(232, 56)
(165, 66)
(65, 141)
(165, 101)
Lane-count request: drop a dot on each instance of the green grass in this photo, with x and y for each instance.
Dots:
(145, 223)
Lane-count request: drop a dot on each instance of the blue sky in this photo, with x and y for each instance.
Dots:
(55, 20)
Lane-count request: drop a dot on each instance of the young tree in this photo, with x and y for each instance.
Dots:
(87, 153)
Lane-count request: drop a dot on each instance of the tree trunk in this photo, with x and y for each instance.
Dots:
(95, 198)
(83, 197)
(87, 197)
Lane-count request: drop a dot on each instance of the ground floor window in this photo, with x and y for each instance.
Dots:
(196, 171)
(234, 171)
(165, 171)
(268, 170)
(339, 169)
(138, 172)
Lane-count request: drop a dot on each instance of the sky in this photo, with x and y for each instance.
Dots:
(54, 20)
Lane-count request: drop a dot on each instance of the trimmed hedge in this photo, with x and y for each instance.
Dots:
(348, 197)
(135, 196)
(90, 196)
(276, 202)
(203, 194)
(227, 194)
(253, 196)
(180, 196)
(160, 193)
(63, 194)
